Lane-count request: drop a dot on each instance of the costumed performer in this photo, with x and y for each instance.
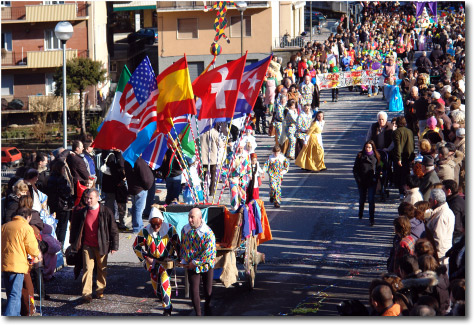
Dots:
(156, 242)
(276, 166)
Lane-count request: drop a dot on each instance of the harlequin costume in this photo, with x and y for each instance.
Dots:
(238, 178)
(290, 128)
(159, 246)
(276, 166)
(278, 121)
(199, 248)
(306, 91)
(303, 123)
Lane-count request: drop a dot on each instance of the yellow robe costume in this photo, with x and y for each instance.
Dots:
(312, 156)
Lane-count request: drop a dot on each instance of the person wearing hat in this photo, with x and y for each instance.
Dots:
(460, 141)
(440, 114)
(432, 131)
(250, 144)
(429, 177)
(158, 242)
(256, 180)
(445, 165)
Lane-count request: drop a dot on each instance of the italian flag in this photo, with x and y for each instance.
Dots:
(114, 132)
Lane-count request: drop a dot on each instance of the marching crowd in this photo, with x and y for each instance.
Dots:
(425, 269)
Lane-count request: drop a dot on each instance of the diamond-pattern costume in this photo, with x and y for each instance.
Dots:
(276, 166)
(158, 246)
(239, 177)
(290, 122)
(303, 123)
(306, 91)
(198, 246)
(278, 122)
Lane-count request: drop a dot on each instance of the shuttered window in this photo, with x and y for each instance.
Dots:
(195, 69)
(235, 26)
(187, 28)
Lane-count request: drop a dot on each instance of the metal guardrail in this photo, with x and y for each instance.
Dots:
(6, 174)
(281, 42)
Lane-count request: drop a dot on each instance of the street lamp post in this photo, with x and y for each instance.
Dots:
(241, 6)
(63, 32)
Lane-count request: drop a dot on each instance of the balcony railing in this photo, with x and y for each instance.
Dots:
(198, 5)
(15, 13)
(38, 103)
(37, 13)
(39, 59)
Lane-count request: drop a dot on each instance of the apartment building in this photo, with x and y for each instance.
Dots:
(31, 53)
(184, 27)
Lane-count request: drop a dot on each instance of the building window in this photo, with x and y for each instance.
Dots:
(50, 40)
(53, 2)
(50, 84)
(5, 3)
(235, 26)
(187, 28)
(7, 85)
(7, 41)
(195, 69)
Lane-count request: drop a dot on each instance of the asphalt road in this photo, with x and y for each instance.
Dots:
(321, 253)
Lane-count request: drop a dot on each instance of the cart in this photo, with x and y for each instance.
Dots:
(231, 249)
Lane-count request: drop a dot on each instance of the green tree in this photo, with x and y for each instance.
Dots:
(80, 74)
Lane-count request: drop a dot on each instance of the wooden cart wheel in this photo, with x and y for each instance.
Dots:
(251, 277)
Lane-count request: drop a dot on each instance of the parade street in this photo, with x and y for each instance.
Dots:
(321, 253)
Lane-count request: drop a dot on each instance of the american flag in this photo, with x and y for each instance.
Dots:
(139, 96)
(155, 151)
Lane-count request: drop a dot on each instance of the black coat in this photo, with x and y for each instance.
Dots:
(59, 194)
(455, 271)
(116, 164)
(366, 169)
(11, 207)
(42, 181)
(108, 235)
(139, 178)
(78, 168)
(458, 205)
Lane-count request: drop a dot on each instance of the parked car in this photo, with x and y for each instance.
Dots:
(149, 34)
(11, 156)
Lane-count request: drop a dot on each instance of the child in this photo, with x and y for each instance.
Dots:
(289, 72)
(50, 257)
(276, 166)
(195, 181)
(256, 181)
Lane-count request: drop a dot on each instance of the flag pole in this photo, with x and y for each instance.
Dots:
(198, 147)
(233, 158)
(223, 153)
(179, 151)
(208, 161)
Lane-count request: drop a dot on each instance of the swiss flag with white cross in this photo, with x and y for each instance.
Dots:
(218, 89)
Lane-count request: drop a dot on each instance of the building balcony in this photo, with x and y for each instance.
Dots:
(38, 59)
(163, 6)
(38, 103)
(45, 13)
